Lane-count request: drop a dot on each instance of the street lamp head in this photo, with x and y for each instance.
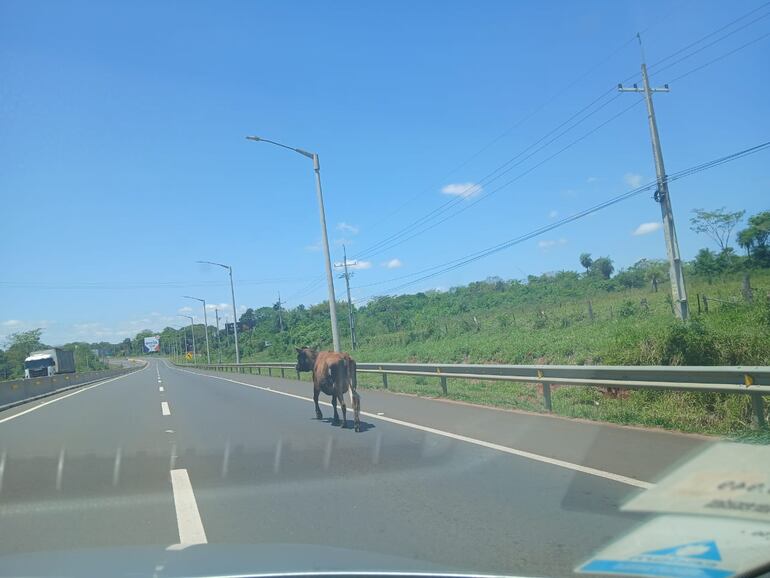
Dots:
(212, 263)
(254, 138)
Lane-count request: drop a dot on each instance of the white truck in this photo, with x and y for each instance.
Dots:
(49, 362)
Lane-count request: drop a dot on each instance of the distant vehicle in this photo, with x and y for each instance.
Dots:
(49, 362)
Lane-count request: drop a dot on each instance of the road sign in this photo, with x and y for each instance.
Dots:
(188, 356)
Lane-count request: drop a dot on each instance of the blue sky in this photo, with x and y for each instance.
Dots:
(122, 157)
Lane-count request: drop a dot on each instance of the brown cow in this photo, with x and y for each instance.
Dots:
(334, 374)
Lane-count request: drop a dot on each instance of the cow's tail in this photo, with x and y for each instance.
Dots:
(355, 399)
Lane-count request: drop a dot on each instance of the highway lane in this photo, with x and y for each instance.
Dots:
(262, 470)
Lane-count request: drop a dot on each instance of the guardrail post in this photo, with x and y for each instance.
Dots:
(759, 410)
(385, 380)
(270, 371)
(283, 373)
(547, 396)
(259, 370)
(443, 384)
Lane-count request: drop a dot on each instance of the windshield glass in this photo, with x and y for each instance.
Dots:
(39, 363)
(447, 286)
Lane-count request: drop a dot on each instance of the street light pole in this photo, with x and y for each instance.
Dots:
(324, 235)
(219, 341)
(235, 311)
(192, 332)
(205, 325)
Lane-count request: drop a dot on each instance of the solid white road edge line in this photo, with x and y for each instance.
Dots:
(188, 518)
(164, 409)
(505, 449)
(76, 392)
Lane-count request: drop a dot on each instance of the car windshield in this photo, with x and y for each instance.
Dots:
(437, 287)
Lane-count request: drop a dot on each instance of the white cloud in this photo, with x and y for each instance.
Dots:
(553, 214)
(11, 323)
(220, 306)
(590, 180)
(546, 244)
(340, 242)
(347, 228)
(314, 247)
(185, 310)
(393, 264)
(360, 265)
(633, 180)
(464, 190)
(647, 228)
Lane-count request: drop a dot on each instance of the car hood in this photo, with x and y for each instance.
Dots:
(212, 560)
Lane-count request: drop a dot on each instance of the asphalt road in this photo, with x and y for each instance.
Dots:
(165, 456)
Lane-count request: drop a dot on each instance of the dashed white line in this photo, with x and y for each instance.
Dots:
(60, 469)
(161, 389)
(188, 518)
(164, 409)
(489, 445)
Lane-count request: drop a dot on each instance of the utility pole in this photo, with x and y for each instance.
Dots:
(662, 196)
(219, 342)
(280, 318)
(351, 319)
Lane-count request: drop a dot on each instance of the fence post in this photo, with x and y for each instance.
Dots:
(705, 304)
(385, 380)
(283, 373)
(443, 384)
(698, 295)
(759, 410)
(251, 370)
(748, 294)
(590, 311)
(547, 396)
(259, 370)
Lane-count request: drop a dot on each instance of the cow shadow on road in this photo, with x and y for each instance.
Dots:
(365, 425)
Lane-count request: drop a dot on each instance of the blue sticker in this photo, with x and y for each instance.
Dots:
(690, 560)
(705, 550)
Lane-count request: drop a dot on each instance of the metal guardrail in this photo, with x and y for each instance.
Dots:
(17, 391)
(753, 381)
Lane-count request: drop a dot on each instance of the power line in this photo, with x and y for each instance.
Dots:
(514, 179)
(495, 174)
(398, 237)
(462, 261)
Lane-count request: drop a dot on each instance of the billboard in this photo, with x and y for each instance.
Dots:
(152, 344)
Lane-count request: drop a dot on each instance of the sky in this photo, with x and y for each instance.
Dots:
(123, 159)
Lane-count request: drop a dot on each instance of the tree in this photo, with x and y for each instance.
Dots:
(586, 261)
(706, 264)
(602, 267)
(20, 345)
(754, 238)
(717, 224)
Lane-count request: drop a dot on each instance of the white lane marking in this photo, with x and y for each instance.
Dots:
(277, 458)
(2, 469)
(164, 409)
(188, 518)
(60, 469)
(492, 446)
(76, 392)
(161, 389)
(116, 467)
(226, 459)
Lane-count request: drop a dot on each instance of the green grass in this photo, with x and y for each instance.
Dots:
(548, 323)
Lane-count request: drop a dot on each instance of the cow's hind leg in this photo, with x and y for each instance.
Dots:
(344, 411)
(336, 420)
(318, 413)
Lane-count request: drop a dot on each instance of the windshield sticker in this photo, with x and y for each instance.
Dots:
(685, 547)
(725, 480)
